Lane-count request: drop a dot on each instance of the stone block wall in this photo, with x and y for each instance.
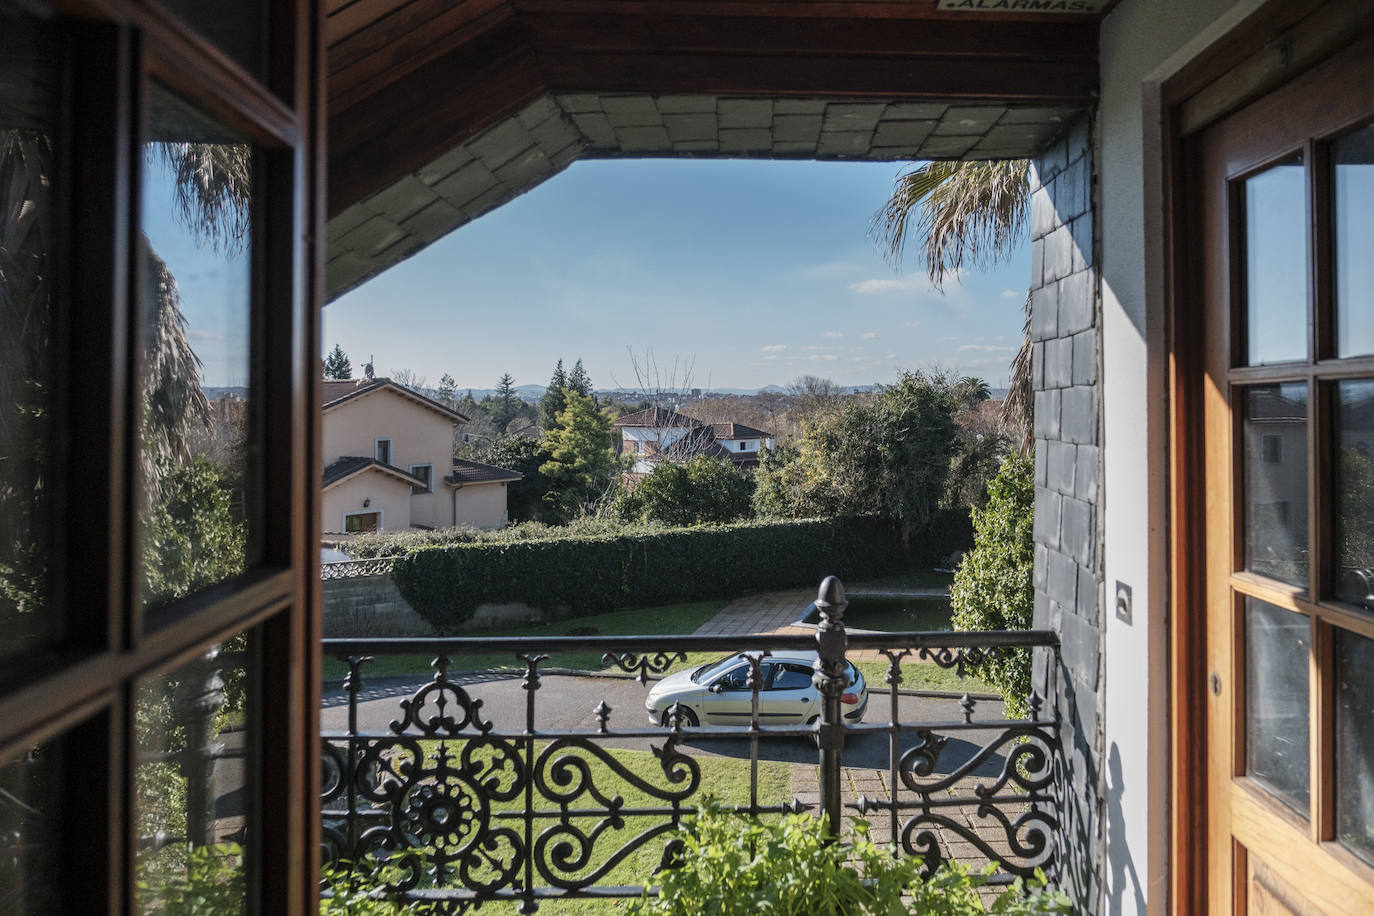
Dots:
(367, 607)
(1065, 325)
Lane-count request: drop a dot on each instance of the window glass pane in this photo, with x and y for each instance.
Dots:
(31, 235)
(31, 796)
(1355, 743)
(1276, 712)
(197, 452)
(237, 29)
(1354, 496)
(1353, 156)
(1275, 474)
(1276, 264)
(194, 793)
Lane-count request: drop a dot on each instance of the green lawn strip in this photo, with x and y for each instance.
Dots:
(672, 619)
(725, 778)
(923, 676)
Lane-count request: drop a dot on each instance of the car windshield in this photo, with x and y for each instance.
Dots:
(709, 672)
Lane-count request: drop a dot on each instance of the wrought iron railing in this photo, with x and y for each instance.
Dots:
(355, 569)
(449, 802)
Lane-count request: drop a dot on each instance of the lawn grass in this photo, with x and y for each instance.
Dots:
(726, 779)
(671, 619)
(923, 676)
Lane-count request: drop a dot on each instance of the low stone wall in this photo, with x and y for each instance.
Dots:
(369, 606)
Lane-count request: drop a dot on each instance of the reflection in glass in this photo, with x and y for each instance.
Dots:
(30, 829)
(1353, 158)
(1355, 743)
(196, 451)
(196, 729)
(237, 29)
(1276, 713)
(1275, 474)
(1276, 264)
(31, 234)
(1354, 492)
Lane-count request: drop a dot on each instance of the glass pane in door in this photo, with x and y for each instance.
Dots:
(1355, 743)
(194, 785)
(32, 228)
(1275, 268)
(1274, 429)
(1353, 160)
(198, 453)
(1276, 710)
(1354, 491)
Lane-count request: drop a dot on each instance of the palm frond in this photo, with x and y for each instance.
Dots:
(1017, 415)
(960, 214)
(214, 189)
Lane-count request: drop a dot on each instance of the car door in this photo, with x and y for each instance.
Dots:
(729, 699)
(790, 698)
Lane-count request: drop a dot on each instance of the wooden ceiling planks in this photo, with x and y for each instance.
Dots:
(410, 79)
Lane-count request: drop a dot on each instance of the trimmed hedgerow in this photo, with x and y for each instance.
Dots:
(591, 573)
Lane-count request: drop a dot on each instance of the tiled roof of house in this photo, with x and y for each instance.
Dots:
(657, 418)
(466, 472)
(349, 465)
(336, 391)
(738, 431)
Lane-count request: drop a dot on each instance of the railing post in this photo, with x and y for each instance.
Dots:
(202, 696)
(830, 680)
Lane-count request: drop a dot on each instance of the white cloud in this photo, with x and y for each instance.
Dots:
(1012, 294)
(812, 347)
(773, 348)
(985, 348)
(877, 286)
(890, 356)
(833, 334)
(869, 335)
(216, 336)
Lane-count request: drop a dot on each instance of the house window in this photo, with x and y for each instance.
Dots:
(360, 522)
(383, 451)
(426, 473)
(741, 446)
(1272, 449)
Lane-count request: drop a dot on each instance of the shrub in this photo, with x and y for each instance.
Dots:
(602, 567)
(700, 491)
(731, 864)
(994, 585)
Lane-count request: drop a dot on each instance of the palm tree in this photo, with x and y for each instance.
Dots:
(966, 214)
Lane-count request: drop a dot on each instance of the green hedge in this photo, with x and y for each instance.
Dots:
(594, 573)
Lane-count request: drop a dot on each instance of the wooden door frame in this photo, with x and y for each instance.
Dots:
(1248, 52)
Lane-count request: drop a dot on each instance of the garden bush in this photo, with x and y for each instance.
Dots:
(731, 864)
(994, 585)
(589, 572)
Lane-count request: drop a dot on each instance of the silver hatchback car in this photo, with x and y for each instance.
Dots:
(719, 694)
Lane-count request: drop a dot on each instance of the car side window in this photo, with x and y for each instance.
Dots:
(735, 678)
(791, 678)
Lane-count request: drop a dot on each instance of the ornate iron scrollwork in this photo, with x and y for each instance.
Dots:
(643, 665)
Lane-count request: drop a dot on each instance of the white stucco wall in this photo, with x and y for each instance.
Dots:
(418, 435)
(481, 505)
(1137, 37)
(383, 492)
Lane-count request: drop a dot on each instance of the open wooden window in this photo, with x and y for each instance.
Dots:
(157, 376)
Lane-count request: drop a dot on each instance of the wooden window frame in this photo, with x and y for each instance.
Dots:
(1250, 50)
(86, 687)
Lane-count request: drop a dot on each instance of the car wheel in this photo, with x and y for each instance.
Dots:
(815, 737)
(689, 718)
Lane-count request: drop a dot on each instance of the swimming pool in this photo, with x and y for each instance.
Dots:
(892, 614)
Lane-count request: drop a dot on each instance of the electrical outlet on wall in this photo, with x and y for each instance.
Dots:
(1123, 602)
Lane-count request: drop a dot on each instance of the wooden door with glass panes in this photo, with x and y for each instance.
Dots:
(1284, 195)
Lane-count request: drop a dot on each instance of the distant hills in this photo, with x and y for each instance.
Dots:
(532, 393)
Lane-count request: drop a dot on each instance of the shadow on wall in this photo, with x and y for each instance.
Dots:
(1122, 866)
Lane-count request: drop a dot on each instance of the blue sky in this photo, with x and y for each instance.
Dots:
(752, 272)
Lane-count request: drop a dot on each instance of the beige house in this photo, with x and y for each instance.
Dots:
(386, 451)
